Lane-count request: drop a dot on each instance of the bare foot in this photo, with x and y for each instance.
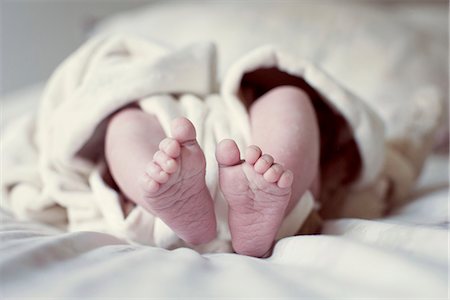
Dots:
(174, 186)
(257, 191)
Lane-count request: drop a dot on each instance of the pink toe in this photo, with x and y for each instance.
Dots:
(155, 172)
(171, 166)
(263, 163)
(286, 179)
(153, 168)
(273, 173)
(162, 177)
(171, 147)
(166, 163)
(150, 186)
(252, 154)
(227, 153)
(183, 130)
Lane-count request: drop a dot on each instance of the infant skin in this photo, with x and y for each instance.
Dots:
(166, 175)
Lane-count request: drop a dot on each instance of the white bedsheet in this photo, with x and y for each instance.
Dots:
(402, 256)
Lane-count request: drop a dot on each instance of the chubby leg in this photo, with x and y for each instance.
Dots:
(284, 124)
(261, 190)
(166, 176)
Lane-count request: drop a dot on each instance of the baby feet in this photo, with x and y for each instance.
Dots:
(257, 191)
(175, 189)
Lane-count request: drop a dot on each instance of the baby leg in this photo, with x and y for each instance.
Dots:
(264, 188)
(284, 124)
(166, 176)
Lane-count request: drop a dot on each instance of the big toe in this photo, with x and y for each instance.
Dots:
(227, 153)
(183, 130)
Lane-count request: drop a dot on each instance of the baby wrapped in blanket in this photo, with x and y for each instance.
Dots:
(142, 142)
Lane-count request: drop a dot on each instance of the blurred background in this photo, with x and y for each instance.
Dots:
(36, 35)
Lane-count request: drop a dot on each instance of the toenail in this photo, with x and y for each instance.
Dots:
(256, 148)
(164, 143)
(152, 169)
(267, 159)
(277, 168)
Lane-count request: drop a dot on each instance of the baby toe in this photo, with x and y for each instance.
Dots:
(166, 163)
(263, 163)
(171, 147)
(155, 172)
(150, 186)
(252, 154)
(227, 153)
(273, 173)
(286, 179)
(183, 130)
